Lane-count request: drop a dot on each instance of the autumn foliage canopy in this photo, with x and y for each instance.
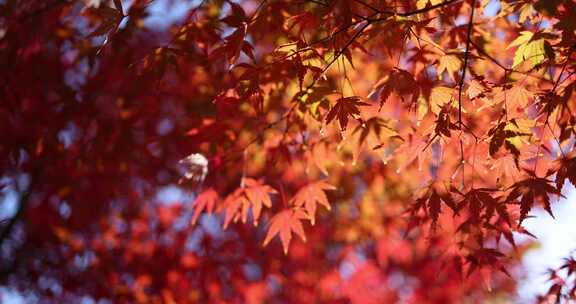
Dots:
(282, 151)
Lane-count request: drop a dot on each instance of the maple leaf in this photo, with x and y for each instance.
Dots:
(234, 44)
(518, 97)
(566, 169)
(235, 205)
(434, 206)
(450, 63)
(301, 22)
(262, 76)
(486, 259)
(505, 166)
(476, 88)
(310, 196)
(375, 125)
(507, 134)
(252, 196)
(481, 205)
(439, 97)
(345, 107)
(258, 195)
(569, 265)
(431, 202)
(284, 224)
(237, 16)
(443, 124)
(412, 148)
(530, 191)
(373, 131)
(399, 81)
(318, 155)
(532, 47)
(204, 201)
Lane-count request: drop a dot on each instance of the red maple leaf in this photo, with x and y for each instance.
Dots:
(431, 203)
(345, 107)
(566, 167)
(532, 190)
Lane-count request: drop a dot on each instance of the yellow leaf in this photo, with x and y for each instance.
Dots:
(450, 63)
(525, 12)
(524, 125)
(516, 141)
(440, 96)
(524, 38)
(535, 51)
(528, 49)
(420, 4)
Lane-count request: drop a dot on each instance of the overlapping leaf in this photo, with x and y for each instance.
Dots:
(531, 191)
(566, 170)
(252, 197)
(431, 202)
(204, 201)
(310, 196)
(531, 47)
(345, 108)
(508, 134)
(398, 81)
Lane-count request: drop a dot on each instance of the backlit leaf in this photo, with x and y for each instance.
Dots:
(204, 201)
(284, 224)
(310, 196)
(345, 108)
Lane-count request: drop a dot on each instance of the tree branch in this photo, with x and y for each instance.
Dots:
(466, 56)
(415, 12)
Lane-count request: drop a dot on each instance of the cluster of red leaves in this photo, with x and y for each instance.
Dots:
(563, 283)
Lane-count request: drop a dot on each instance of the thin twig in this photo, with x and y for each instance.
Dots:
(415, 12)
(461, 85)
(466, 56)
(556, 83)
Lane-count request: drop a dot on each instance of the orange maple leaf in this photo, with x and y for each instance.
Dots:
(311, 195)
(235, 205)
(204, 201)
(285, 223)
(253, 195)
(258, 195)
